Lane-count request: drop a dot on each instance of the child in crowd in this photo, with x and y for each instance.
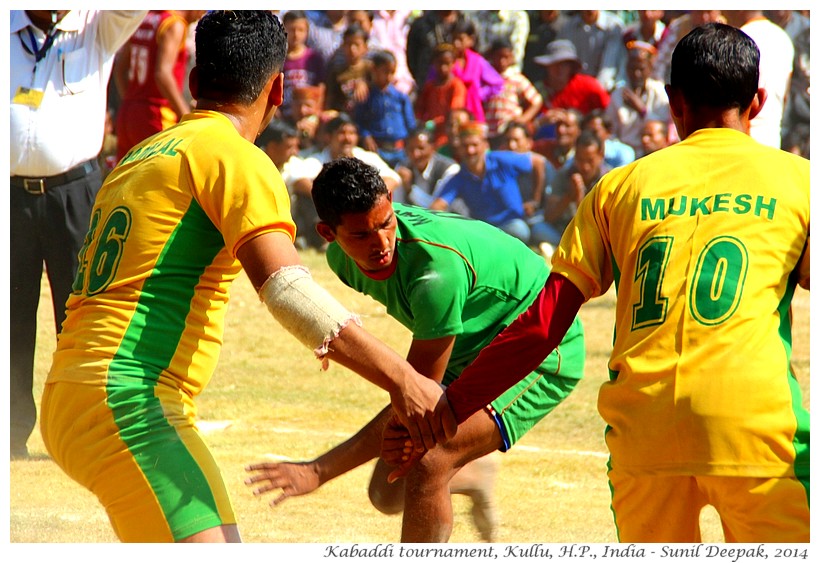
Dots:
(441, 93)
(386, 117)
(481, 79)
(518, 101)
(303, 66)
(347, 76)
(305, 115)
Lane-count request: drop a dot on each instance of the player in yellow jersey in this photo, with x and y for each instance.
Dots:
(706, 242)
(172, 227)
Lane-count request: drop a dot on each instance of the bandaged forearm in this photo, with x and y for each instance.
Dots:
(304, 308)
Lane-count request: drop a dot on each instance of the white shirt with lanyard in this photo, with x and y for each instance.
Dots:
(59, 84)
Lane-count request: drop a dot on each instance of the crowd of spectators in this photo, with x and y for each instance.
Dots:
(580, 92)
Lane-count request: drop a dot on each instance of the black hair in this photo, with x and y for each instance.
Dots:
(237, 52)
(499, 43)
(597, 113)
(716, 66)
(589, 138)
(276, 132)
(355, 30)
(466, 26)
(344, 186)
(294, 15)
(382, 57)
(337, 122)
(513, 125)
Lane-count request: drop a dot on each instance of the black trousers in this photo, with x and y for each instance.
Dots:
(47, 229)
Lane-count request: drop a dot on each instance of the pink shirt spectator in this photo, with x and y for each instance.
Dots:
(482, 82)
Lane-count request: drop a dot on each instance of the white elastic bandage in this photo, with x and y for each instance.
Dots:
(305, 308)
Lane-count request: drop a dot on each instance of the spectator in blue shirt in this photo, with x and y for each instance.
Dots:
(488, 183)
(386, 117)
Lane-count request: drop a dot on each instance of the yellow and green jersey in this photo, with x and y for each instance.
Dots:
(703, 242)
(151, 293)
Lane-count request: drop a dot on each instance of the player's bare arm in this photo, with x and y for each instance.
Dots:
(413, 396)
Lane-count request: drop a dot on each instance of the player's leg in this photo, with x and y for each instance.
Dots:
(477, 480)
(138, 451)
(656, 508)
(753, 510)
(428, 512)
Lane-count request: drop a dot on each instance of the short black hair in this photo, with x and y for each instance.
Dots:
(499, 43)
(716, 66)
(237, 51)
(338, 122)
(344, 186)
(597, 113)
(382, 57)
(355, 30)
(589, 138)
(295, 15)
(276, 132)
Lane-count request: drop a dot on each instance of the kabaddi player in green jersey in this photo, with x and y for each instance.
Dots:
(174, 224)
(706, 242)
(455, 283)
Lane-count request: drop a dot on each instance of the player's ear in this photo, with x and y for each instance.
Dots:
(758, 102)
(325, 231)
(277, 91)
(193, 83)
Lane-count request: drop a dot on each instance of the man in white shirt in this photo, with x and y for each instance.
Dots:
(776, 63)
(60, 64)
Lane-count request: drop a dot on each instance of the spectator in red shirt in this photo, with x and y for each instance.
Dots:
(564, 84)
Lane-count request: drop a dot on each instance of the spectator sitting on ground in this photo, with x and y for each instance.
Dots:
(641, 98)
(565, 86)
(423, 169)
(555, 135)
(574, 182)
(655, 136)
(386, 117)
(488, 183)
(616, 152)
(454, 121)
(343, 140)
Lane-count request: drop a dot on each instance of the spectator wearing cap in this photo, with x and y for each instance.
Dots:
(640, 99)
(564, 84)
(487, 182)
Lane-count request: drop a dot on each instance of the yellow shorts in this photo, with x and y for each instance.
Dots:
(666, 508)
(138, 450)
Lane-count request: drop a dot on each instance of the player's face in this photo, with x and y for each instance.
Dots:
(369, 238)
